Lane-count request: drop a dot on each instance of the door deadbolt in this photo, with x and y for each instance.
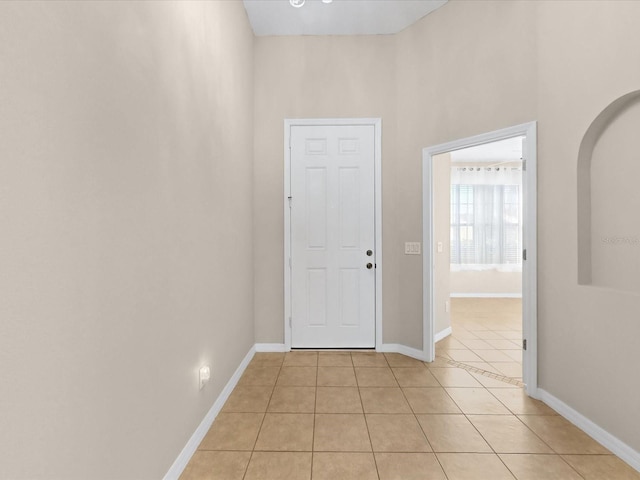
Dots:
(369, 266)
(369, 253)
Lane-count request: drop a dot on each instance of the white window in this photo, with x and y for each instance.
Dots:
(486, 218)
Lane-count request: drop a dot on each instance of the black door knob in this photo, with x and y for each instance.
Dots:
(369, 253)
(369, 266)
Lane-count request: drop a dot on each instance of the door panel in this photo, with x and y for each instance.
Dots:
(349, 297)
(316, 203)
(316, 296)
(332, 227)
(349, 208)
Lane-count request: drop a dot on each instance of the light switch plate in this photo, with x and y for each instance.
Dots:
(412, 248)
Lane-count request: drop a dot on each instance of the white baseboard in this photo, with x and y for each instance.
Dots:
(442, 334)
(485, 295)
(599, 434)
(271, 347)
(386, 347)
(192, 445)
(403, 349)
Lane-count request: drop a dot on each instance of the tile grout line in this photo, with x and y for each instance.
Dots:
(466, 416)
(504, 379)
(527, 427)
(313, 429)
(264, 416)
(415, 416)
(495, 377)
(476, 428)
(375, 461)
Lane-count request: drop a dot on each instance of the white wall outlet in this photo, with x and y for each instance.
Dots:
(204, 375)
(412, 248)
(440, 247)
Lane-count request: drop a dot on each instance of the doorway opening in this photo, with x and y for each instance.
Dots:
(479, 257)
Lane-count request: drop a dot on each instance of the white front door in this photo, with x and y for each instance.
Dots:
(333, 236)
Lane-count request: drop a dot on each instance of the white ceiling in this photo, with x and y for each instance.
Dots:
(341, 17)
(509, 150)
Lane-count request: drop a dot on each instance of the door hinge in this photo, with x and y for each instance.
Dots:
(289, 262)
(524, 165)
(524, 343)
(290, 324)
(289, 198)
(524, 254)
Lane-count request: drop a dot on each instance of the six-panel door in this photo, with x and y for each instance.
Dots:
(332, 228)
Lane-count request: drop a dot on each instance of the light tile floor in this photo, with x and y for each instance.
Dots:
(487, 335)
(373, 416)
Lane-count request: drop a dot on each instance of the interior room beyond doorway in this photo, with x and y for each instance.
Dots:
(478, 234)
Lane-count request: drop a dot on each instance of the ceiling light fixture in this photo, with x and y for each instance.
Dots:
(300, 3)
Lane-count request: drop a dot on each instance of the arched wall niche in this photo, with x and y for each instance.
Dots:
(609, 198)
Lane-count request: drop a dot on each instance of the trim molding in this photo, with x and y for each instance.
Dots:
(485, 295)
(599, 434)
(529, 267)
(384, 348)
(192, 445)
(404, 350)
(271, 347)
(442, 334)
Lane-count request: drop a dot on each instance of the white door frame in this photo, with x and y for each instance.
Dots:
(377, 124)
(529, 267)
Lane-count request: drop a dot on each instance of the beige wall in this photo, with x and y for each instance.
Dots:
(587, 57)
(317, 77)
(125, 253)
(486, 282)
